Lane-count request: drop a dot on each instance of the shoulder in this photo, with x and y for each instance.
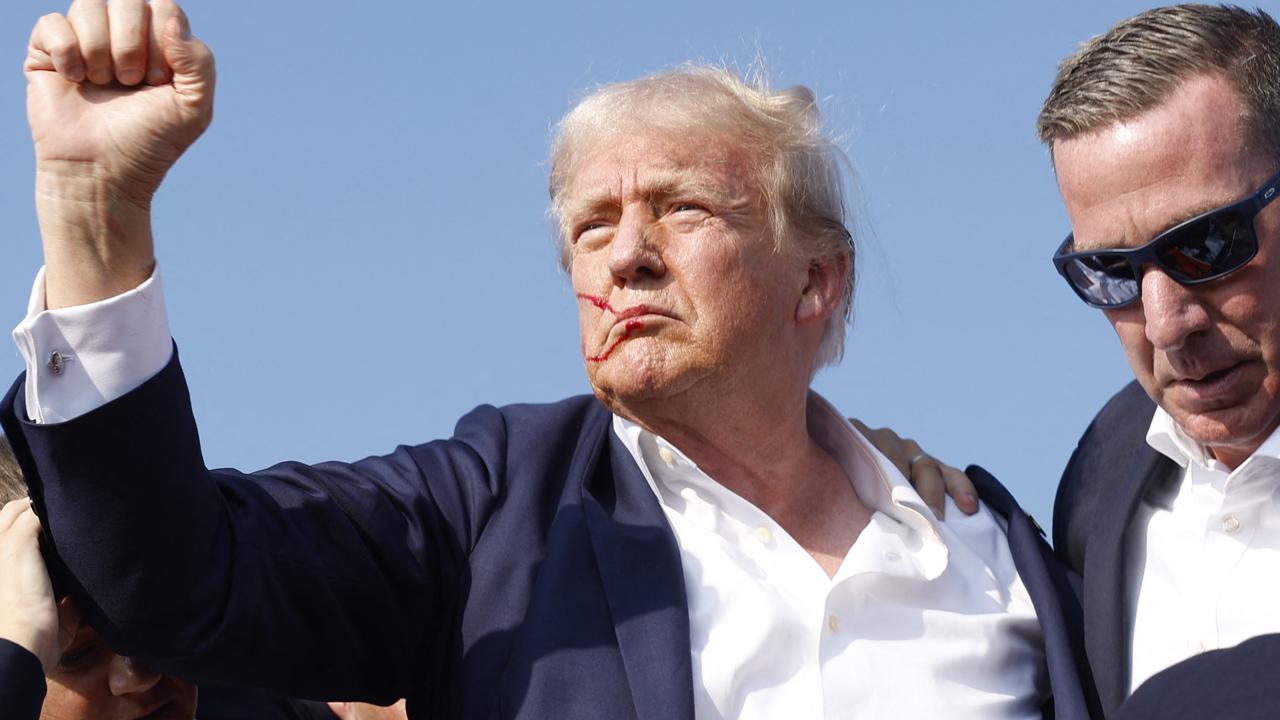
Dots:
(531, 427)
(1113, 444)
(1129, 404)
(1237, 682)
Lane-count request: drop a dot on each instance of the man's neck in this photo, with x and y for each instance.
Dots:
(759, 446)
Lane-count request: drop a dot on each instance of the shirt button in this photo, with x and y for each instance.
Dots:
(892, 556)
(667, 456)
(1230, 524)
(1195, 646)
(763, 534)
(832, 624)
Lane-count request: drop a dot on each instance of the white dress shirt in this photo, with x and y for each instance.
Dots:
(923, 619)
(81, 358)
(1204, 564)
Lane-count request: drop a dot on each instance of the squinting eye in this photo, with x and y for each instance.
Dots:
(683, 207)
(80, 656)
(584, 229)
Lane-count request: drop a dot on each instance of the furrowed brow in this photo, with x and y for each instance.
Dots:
(589, 204)
(667, 186)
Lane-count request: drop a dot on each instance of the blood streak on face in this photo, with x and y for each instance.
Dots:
(633, 322)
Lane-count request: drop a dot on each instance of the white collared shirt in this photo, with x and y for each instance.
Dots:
(923, 619)
(1204, 563)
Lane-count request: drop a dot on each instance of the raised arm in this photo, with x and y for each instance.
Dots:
(115, 94)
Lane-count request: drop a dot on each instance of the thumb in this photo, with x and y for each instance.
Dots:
(191, 61)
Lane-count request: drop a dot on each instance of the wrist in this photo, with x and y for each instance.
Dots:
(96, 235)
(76, 187)
(33, 640)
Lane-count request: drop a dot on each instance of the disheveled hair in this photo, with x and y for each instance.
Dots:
(12, 486)
(1137, 64)
(797, 168)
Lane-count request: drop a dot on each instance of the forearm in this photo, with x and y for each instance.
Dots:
(96, 235)
(235, 590)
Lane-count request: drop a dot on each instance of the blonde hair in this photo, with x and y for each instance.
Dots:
(797, 168)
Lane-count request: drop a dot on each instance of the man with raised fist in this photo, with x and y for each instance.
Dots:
(703, 537)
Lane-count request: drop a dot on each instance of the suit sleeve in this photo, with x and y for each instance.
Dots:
(21, 682)
(334, 580)
(226, 703)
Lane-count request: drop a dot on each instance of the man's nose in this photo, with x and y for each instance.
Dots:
(126, 676)
(633, 252)
(1173, 311)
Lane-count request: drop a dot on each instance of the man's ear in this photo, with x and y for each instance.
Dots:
(69, 622)
(824, 290)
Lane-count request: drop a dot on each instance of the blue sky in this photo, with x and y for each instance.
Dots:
(357, 251)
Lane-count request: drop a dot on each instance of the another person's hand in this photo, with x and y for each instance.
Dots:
(28, 613)
(931, 478)
(365, 711)
(115, 93)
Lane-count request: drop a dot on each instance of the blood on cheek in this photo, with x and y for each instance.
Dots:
(631, 325)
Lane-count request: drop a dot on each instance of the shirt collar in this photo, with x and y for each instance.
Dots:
(877, 481)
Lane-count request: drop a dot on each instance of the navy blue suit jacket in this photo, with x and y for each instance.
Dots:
(522, 568)
(21, 682)
(1110, 473)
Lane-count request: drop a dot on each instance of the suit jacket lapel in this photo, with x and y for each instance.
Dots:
(643, 581)
(1106, 586)
(1050, 587)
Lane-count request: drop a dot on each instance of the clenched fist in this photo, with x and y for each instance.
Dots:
(115, 93)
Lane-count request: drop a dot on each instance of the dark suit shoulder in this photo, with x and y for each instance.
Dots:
(1235, 683)
(1111, 449)
(500, 431)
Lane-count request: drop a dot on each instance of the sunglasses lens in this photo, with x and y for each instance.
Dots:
(1103, 279)
(1214, 246)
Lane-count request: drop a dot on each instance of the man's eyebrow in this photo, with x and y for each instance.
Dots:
(675, 183)
(1190, 214)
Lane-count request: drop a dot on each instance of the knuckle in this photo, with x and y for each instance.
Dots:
(60, 48)
(128, 54)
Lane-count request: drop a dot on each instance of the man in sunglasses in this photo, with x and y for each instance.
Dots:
(1165, 136)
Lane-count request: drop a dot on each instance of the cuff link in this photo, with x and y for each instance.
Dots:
(58, 362)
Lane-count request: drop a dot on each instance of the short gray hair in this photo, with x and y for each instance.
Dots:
(12, 486)
(797, 167)
(1137, 64)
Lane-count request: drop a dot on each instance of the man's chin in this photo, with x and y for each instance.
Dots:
(1233, 430)
(629, 387)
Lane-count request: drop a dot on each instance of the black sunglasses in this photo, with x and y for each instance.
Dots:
(1204, 248)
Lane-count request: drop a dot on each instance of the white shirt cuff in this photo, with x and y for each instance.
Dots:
(81, 358)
